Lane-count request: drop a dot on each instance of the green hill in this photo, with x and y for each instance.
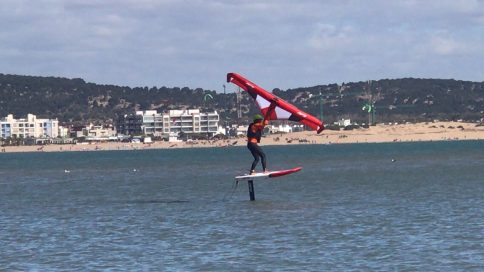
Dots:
(407, 99)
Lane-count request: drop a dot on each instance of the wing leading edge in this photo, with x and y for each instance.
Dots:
(273, 107)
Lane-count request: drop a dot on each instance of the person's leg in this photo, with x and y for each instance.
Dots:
(263, 158)
(258, 150)
(255, 154)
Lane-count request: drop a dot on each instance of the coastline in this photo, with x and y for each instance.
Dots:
(419, 132)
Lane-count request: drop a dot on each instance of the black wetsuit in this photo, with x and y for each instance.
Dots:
(254, 148)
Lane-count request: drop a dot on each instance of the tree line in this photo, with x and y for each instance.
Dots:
(393, 100)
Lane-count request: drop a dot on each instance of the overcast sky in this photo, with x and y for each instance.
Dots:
(275, 43)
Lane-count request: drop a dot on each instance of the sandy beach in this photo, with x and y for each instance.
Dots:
(437, 131)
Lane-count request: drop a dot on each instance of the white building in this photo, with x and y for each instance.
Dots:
(343, 122)
(28, 127)
(282, 128)
(241, 130)
(190, 121)
(63, 132)
(270, 129)
(99, 133)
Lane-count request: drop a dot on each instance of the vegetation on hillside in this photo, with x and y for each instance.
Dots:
(407, 99)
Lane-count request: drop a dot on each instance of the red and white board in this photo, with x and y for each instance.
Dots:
(270, 174)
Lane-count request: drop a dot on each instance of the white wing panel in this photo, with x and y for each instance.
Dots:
(282, 114)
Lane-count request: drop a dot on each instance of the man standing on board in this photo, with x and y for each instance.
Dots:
(254, 134)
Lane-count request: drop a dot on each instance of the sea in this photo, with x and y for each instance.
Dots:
(415, 206)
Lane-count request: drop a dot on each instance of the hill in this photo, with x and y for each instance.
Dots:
(407, 99)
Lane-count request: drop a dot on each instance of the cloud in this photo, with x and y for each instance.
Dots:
(281, 43)
(330, 37)
(445, 46)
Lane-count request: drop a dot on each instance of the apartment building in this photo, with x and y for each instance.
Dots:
(190, 121)
(30, 127)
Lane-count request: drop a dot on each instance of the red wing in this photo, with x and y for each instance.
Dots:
(282, 110)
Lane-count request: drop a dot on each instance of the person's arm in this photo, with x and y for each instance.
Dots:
(267, 116)
(261, 125)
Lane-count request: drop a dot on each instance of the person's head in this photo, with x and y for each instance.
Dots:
(258, 118)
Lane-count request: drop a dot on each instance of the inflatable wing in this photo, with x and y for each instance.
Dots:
(273, 107)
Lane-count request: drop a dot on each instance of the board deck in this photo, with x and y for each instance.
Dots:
(270, 174)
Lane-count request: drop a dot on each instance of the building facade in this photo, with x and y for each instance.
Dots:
(30, 127)
(129, 124)
(150, 122)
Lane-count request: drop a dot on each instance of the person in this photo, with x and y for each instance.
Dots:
(254, 134)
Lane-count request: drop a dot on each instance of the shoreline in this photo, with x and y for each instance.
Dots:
(419, 132)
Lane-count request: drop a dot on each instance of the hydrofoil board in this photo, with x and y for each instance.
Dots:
(270, 174)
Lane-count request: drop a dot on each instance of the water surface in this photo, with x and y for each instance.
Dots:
(398, 206)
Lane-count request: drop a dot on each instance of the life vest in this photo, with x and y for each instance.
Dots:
(254, 135)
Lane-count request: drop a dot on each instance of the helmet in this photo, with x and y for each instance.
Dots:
(258, 117)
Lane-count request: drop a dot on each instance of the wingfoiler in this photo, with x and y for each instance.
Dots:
(273, 108)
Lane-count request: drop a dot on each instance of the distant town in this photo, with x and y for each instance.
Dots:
(138, 127)
(49, 110)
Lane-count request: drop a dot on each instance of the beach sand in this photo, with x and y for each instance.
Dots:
(437, 131)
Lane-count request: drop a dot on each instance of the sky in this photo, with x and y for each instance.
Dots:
(275, 43)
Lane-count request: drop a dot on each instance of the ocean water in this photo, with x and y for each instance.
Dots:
(356, 207)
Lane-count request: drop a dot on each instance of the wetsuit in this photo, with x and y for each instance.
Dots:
(254, 134)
